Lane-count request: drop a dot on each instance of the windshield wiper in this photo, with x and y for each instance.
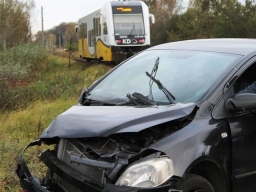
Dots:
(170, 97)
(131, 99)
(95, 102)
(153, 74)
(133, 28)
(143, 98)
(135, 98)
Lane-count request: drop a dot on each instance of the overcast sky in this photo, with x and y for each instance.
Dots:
(58, 11)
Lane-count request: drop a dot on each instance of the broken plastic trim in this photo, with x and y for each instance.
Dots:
(27, 180)
(113, 168)
(90, 162)
(36, 142)
(26, 177)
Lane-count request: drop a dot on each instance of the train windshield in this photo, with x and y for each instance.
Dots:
(127, 24)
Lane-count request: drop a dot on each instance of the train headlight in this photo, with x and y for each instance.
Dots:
(149, 173)
(118, 41)
(141, 41)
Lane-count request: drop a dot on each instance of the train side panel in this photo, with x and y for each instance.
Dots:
(103, 52)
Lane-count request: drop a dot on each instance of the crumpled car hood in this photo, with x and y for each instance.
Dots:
(102, 121)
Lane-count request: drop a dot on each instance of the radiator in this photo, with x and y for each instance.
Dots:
(93, 173)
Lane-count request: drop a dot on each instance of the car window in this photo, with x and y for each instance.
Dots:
(245, 79)
(186, 74)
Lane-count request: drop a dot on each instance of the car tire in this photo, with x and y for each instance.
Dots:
(196, 183)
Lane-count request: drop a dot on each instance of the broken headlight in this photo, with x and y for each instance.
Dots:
(149, 173)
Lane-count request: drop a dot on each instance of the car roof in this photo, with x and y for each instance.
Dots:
(228, 45)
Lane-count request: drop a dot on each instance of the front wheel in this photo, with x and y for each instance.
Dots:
(196, 183)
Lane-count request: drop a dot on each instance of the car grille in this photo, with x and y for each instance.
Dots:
(67, 187)
(93, 173)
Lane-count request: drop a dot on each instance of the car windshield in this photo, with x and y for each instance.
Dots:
(187, 75)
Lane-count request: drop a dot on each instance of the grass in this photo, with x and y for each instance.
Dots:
(52, 88)
(21, 127)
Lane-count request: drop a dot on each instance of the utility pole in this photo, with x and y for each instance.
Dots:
(70, 42)
(51, 44)
(42, 26)
(70, 49)
(59, 39)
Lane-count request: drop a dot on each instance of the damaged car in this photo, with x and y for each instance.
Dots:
(169, 119)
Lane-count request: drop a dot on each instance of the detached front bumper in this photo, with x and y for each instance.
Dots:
(73, 177)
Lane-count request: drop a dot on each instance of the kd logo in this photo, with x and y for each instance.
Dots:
(126, 41)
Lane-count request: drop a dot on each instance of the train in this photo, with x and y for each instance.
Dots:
(114, 32)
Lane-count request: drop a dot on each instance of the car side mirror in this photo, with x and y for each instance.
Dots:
(82, 96)
(241, 102)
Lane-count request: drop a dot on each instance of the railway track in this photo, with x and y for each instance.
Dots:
(79, 59)
(94, 61)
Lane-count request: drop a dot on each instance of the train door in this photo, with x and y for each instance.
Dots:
(91, 38)
(82, 40)
(102, 45)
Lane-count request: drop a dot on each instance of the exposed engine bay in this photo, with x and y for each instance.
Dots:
(114, 152)
(126, 144)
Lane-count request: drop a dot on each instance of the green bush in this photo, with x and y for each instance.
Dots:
(28, 73)
(17, 69)
(27, 55)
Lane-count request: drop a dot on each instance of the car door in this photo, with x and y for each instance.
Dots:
(243, 134)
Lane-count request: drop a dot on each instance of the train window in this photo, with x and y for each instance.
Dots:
(94, 27)
(92, 38)
(83, 31)
(99, 27)
(89, 38)
(105, 29)
(98, 32)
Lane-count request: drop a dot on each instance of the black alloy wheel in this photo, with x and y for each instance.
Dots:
(196, 183)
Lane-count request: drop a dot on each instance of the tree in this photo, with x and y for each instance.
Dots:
(214, 18)
(235, 20)
(70, 34)
(61, 33)
(250, 14)
(163, 11)
(14, 22)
